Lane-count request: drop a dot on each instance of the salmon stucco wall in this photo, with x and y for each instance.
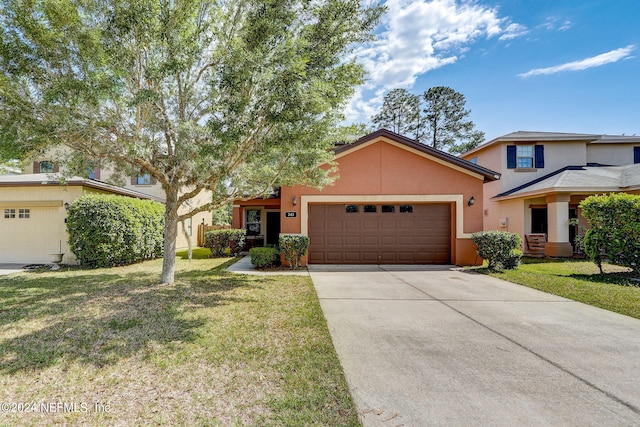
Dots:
(383, 170)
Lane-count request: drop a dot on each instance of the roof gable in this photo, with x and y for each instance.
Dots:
(410, 145)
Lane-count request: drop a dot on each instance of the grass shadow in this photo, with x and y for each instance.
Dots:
(616, 278)
(98, 319)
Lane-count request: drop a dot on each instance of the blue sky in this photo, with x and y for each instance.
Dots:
(540, 65)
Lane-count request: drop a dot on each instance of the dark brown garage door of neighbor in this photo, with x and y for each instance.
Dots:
(362, 233)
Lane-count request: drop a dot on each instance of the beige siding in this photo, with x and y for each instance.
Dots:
(610, 154)
(31, 240)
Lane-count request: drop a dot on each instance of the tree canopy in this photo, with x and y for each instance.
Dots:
(232, 96)
(400, 113)
(442, 123)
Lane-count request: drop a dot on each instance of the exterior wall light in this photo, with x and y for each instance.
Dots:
(471, 201)
(295, 201)
(66, 206)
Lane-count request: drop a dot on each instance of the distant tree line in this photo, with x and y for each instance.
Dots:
(437, 118)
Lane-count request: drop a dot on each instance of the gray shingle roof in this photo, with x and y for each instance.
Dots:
(589, 179)
(535, 136)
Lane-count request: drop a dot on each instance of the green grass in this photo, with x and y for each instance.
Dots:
(579, 280)
(212, 349)
(196, 253)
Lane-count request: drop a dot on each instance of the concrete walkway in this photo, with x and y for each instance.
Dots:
(244, 266)
(424, 347)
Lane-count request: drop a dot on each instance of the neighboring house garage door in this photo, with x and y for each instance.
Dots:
(380, 234)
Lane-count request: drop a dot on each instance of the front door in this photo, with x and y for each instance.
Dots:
(273, 228)
(539, 220)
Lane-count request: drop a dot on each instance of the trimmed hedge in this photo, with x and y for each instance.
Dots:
(293, 248)
(263, 257)
(614, 229)
(109, 230)
(500, 249)
(218, 241)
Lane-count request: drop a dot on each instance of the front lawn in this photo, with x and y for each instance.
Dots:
(579, 280)
(112, 347)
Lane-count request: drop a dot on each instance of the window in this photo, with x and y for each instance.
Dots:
(388, 209)
(24, 213)
(9, 213)
(188, 226)
(351, 208)
(143, 179)
(524, 154)
(253, 223)
(45, 167)
(406, 208)
(369, 208)
(636, 154)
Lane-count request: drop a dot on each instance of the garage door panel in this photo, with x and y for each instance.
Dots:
(369, 257)
(352, 224)
(370, 224)
(422, 236)
(334, 240)
(352, 257)
(388, 241)
(333, 224)
(369, 240)
(407, 240)
(352, 241)
(407, 224)
(387, 224)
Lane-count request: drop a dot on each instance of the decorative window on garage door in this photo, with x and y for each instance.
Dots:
(9, 213)
(24, 213)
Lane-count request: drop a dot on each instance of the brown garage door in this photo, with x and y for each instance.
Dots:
(380, 234)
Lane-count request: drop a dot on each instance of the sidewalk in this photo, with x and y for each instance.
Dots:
(244, 266)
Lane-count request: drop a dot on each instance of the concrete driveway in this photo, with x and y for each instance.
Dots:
(10, 268)
(435, 346)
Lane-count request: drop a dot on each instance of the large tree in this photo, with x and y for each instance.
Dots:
(400, 113)
(442, 123)
(447, 123)
(231, 96)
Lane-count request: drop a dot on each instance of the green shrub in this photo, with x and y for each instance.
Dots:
(293, 247)
(500, 249)
(109, 230)
(263, 257)
(219, 241)
(614, 229)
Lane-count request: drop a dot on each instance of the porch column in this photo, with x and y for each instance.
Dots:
(558, 244)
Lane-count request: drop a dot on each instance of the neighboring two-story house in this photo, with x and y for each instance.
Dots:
(33, 208)
(544, 177)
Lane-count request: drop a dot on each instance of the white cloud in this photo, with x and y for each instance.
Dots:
(417, 36)
(554, 23)
(583, 64)
(513, 31)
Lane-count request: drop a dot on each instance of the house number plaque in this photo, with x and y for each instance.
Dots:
(290, 214)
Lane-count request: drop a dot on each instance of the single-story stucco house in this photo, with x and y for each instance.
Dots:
(395, 202)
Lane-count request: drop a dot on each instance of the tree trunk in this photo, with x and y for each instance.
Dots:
(170, 235)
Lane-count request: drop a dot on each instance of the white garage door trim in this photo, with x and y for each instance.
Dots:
(458, 199)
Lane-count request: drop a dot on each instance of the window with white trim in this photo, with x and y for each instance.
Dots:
(9, 213)
(524, 156)
(24, 213)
